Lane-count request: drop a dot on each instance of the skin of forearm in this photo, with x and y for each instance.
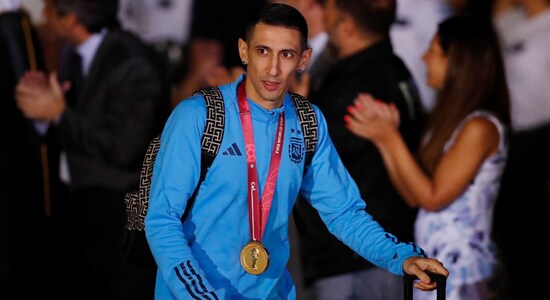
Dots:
(405, 173)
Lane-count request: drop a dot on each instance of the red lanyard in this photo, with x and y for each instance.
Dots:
(257, 225)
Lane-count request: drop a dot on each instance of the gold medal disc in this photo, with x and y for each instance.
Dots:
(254, 258)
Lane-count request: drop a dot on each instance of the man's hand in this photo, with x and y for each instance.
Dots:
(40, 97)
(418, 266)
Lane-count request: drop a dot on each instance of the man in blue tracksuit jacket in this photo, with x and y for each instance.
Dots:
(201, 257)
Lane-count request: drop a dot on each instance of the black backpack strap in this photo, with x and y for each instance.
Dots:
(308, 121)
(215, 120)
(137, 201)
(211, 138)
(310, 129)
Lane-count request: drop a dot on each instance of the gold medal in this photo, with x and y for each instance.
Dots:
(254, 258)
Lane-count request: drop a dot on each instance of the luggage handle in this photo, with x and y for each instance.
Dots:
(441, 281)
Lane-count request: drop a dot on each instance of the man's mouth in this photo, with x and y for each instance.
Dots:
(271, 85)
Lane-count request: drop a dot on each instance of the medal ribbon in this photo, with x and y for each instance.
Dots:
(256, 221)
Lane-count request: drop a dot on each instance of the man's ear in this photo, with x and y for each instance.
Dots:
(304, 60)
(243, 51)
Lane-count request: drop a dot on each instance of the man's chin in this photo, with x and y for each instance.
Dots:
(272, 96)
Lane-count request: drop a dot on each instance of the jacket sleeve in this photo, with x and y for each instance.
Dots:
(128, 97)
(331, 190)
(176, 173)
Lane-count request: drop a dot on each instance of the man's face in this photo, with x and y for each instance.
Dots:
(53, 19)
(273, 55)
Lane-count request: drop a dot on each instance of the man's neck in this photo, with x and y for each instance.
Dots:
(80, 35)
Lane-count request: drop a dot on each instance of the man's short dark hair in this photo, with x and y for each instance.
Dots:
(93, 14)
(284, 15)
(373, 16)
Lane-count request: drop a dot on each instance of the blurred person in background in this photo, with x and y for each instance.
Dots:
(105, 107)
(456, 178)
(524, 30)
(26, 179)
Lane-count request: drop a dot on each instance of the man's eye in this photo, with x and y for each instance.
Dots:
(262, 51)
(287, 54)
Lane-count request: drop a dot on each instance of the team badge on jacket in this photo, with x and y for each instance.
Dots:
(296, 148)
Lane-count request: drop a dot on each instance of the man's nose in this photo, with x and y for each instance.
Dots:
(274, 65)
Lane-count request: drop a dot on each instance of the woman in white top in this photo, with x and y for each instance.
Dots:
(456, 176)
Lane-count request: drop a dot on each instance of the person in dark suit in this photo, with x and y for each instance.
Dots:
(25, 180)
(105, 110)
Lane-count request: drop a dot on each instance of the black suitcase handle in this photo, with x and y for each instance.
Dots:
(440, 280)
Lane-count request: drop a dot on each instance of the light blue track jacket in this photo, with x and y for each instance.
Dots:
(199, 259)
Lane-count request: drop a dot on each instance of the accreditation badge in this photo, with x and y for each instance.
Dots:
(254, 258)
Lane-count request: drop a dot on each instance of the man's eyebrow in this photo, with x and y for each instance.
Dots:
(260, 46)
(289, 50)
